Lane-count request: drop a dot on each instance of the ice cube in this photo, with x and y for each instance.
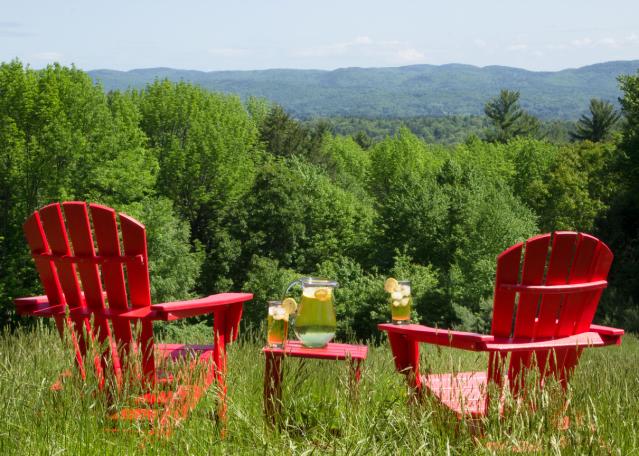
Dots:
(272, 310)
(405, 301)
(405, 290)
(396, 295)
(280, 314)
(396, 303)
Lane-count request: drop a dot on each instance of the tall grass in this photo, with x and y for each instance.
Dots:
(320, 414)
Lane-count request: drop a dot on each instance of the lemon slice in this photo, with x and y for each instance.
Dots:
(391, 285)
(322, 294)
(289, 305)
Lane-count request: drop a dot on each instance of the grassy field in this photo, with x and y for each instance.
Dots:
(320, 417)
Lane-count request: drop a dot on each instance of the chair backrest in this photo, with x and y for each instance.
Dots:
(119, 263)
(551, 292)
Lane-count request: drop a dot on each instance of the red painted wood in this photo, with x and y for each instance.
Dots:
(439, 336)
(55, 231)
(81, 238)
(508, 263)
(533, 269)
(601, 267)
(561, 255)
(208, 303)
(82, 241)
(553, 316)
(605, 330)
(57, 266)
(48, 273)
(527, 345)
(273, 371)
(557, 289)
(134, 242)
(464, 393)
(294, 348)
(32, 228)
(106, 234)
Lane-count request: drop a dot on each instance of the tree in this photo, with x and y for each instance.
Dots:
(598, 125)
(508, 118)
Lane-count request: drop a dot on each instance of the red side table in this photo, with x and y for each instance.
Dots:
(273, 373)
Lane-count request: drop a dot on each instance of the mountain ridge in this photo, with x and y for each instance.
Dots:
(405, 91)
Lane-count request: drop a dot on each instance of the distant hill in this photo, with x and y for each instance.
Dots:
(416, 90)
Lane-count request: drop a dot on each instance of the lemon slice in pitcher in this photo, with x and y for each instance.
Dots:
(322, 294)
(289, 305)
(391, 285)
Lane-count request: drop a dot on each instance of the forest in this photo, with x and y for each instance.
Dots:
(240, 195)
(398, 92)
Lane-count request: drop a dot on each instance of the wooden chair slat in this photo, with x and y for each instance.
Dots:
(134, 243)
(106, 234)
(533, 269)
(79, 229)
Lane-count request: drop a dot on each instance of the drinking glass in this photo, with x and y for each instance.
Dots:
(277, 324)
(401, 302)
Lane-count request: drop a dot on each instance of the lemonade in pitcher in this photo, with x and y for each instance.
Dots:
(315, 322)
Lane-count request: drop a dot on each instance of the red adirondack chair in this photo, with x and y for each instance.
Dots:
(118, 316)
(542, 316)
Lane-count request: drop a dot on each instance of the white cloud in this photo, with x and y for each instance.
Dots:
(480, 43)
(633, 38)
(362, 40)
(609, 42)
(517, 47)
(228, 52)
(13, 29)
(390, 50)
(581, 42)
(410, 55)
(48, 56)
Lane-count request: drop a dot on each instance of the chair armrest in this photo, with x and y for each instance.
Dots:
(586, 339)
(37, 306)
(202, 306)
(607, 331)
(437, 336)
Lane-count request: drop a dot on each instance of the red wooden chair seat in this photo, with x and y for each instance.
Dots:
(544, 303)
(464, 392)
(111, 305)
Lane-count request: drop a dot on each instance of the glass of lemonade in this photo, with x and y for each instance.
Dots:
(315, 322)
(277, 323)
(400, 300)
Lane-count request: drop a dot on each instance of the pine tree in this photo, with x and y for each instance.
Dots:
(598, 125)
(508, 118)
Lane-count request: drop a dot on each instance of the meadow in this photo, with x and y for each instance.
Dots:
(320, 415)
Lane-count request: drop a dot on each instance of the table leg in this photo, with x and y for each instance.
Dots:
(273, 388)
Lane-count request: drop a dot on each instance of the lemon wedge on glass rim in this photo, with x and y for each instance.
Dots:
(289, 305)
(391, 285)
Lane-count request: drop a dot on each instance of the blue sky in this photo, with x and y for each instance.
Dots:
(328, 34)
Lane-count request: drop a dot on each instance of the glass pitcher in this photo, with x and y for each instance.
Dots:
(315, 320)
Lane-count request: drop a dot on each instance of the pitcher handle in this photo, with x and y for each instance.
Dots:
(299, 281)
